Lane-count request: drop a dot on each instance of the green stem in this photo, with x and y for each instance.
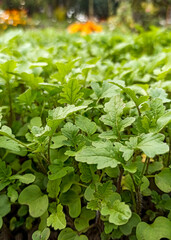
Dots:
(119, 180)
(101, 176)
(80, 184)
(10, 103)
(48, 158)
(138, 196)
(134, 202)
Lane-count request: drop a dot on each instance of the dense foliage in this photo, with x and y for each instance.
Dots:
(84, 135)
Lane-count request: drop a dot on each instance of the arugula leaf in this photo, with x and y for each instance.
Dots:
(57, 219)
(101, 153)
(34, 198)
(119, 213)
(86, 125)
(161, 228)
(71, 92)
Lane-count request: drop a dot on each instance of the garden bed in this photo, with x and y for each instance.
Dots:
(85, 135)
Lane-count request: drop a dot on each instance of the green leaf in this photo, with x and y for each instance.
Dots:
(71, 92)
(72, 200)
(44, 235)
(58, 114)
(163, 180)
(58, 171)
(27, 97)
(103, 154)
(7, 67)
(119, 213)
(131, 93)
(152, 144)
(5, 206)
(5, 171)
(82, 222)
(159, 93)
(69, 234)
(31, 80)
(58, 141)
(1, 222)
(86, 125)
(87, 172)
(70, 131)
(64, 69)
(27, 178)
(162, 122)
(53, 188)
(157, 109)
(57, 219)
(161, 228)
(34, 198)
(104, 190)
(12, 145)
(12, 194)
(128, 227)
(114, 109)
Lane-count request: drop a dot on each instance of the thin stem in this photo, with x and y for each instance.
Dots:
(101, 176)
(80, 184)
(10, 103)
(134, 202)
(138, 196)
(48, 158)
(119, 180)
(150, 176)
(139, 113)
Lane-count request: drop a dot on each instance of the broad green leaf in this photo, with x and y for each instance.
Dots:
(53, 188)
(31, 80)
(87, 172)
(28, 97)
(57, 219)
(44, 235)
(6, 68)
(104, 191)
(114, 109)
(58, 171)
(27, 178)
(5, 206)
(69, 234)
(58, 141)
(68, 181)
(119, 213)
(131, 93)
(86, 125)
(157, 109)
(152, 144)
(102, 153)
(159, 93)
(162, 122)
(5, 171)
(161, 228)
(72, 200)
(64, 69)
(71, 92)
(70, 131)
(163, 180)
(132, 222)
(82, 222)
(34, 198)
(58, 114)
(12, 194)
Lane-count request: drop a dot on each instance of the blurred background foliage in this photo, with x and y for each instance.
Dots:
(142, 12)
